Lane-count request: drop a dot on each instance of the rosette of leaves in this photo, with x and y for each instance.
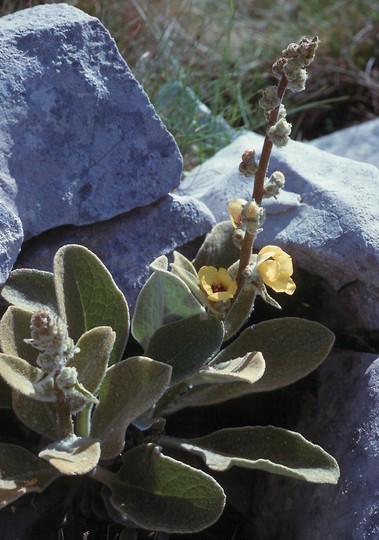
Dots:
(188, 360)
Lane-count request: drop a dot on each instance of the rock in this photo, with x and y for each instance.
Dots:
(342, 418)
(357, 142)
(326, 218)
(79, 136)
(11, 237)
(127, 244)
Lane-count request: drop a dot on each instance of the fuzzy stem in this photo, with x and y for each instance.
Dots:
(247, 245)
(267, 146)
(83, 421)
(64, 414)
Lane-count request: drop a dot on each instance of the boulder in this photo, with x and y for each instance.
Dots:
(128, 243)
(11, 236)
(356, 142)
(326, 218)
(341, 415)
(79, 137)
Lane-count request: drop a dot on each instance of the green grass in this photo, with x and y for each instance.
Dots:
(223, 51)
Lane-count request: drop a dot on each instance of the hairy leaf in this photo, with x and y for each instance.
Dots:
(186, 345)
(39, 416)
(163, 299)
(218, 248)
(88, 296)
(249, 368)
(73, 455)
(21, 376)
(159, 493)
(292, 348)
(22, 472)
(240, 311)
(130, 387)
(92, 360)
(31, 290)
(14, 329)
(268, 448)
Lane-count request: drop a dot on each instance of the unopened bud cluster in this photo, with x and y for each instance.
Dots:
(50, 336)
(273, 185)
(291, 65)
(249, 163)
(295, 58)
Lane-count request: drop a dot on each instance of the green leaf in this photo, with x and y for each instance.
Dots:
(88, 296)
(292, 348)
(185, 270)
(92, 360)
(163, 299)
(73, 455)
(240, 311)
(159, 493)
(186, 345)
(180, 261)
(31, 290)
(249, 368)
(21, 472)
(14, 329)
(268, 448)
(218, 248)
(130, 387)
(39, 416)
(21, 376)
(30, 382)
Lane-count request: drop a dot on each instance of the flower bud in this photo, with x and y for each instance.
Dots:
(269, 100)
(280, 132)
(249, 164)
(67, 378)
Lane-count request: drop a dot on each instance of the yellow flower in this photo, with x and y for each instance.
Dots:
(235, 211)
(217, 284)
(275, 268)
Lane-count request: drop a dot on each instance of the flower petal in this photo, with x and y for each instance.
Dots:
(285, 285)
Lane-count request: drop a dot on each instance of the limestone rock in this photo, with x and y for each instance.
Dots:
(357, 142)
(79, 136)
(342, 418)
(127, 244)
(11, 236)
(326, 218)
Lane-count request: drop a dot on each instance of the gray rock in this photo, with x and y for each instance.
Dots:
(346, 424)
(11, 236)
(127, 244)
(79, 136)
(359, 142)
(326, 218)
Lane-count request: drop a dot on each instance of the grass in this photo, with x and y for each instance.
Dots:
(223, 51)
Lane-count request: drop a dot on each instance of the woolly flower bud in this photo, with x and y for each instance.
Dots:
(280, 132)
(249, 164)
(278, 67)
(273, 184)
(269, 99)
(308, 49)
(296, 80)
(67, 378)
(292, 51)
(252, 217)
(50, 336)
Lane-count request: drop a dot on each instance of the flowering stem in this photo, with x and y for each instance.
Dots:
(267, 146)
(247, 245)
(64, 414)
